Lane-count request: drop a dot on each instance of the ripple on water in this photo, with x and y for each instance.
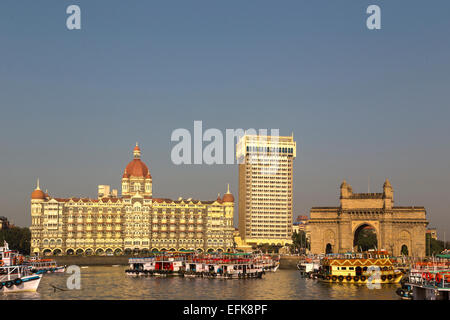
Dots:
(112, 283)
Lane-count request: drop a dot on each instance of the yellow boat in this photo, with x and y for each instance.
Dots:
(373, 267)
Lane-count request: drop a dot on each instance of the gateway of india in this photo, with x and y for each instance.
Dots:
(134, 222)
(336, 229)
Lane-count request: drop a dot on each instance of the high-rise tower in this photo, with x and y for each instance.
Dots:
(266, 188)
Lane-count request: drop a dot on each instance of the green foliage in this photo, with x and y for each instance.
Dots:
(434, 246)
(404, 250)
(18, 239)
(267, 248)
(299, 242)
(367, 239)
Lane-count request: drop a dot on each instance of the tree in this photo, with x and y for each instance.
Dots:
(434, 246)
(299, 241)
(367, 239)
(18, 239)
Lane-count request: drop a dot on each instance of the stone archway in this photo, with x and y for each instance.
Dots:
(365, 237)
(374, 209)
(329, 241)
(404, 250)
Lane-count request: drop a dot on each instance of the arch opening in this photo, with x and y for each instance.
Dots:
(404, 250)
(365, 238)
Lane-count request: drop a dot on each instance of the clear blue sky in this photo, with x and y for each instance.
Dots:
(360, 103)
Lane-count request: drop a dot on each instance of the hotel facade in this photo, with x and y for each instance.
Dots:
(266, 189)
(133, 222)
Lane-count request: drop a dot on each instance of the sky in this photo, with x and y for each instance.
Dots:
(364, 105)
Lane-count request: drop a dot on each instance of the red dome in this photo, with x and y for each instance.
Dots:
(38, 194)
(228, 197)
(137, 168)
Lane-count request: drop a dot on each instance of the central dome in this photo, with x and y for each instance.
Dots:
(136, 168)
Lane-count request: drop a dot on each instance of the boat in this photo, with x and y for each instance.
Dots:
(268, 262)
(430, 280)
(308, 269)
(15, 276)
(375, 267)
(45, 265)
(225, 266)
(160, 265)
(194, 265)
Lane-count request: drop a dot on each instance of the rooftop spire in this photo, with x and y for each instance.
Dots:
(37, 184)
(137, 152)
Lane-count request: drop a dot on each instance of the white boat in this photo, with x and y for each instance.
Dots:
(18, 279)
(224, 270)
(45, 266)
(268, 262)
(15, 276)
(159, 266)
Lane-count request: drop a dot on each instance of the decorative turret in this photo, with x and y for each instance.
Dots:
(388, 192)
(37, 194)
(228, 197)
(136, 176)
(137, 152)
(346, 190)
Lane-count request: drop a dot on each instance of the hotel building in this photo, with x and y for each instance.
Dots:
(136, 221)
(265, 188)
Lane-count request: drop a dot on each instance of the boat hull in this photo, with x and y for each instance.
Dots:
(393, 279)
(28, 284)
(49, 270)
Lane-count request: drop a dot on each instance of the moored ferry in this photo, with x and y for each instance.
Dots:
(269, 263)
(44, 266)
(374, 267)
(225, 266)
(190, 264)
(161, 265)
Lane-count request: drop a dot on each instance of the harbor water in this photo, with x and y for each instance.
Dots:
(110, 282)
